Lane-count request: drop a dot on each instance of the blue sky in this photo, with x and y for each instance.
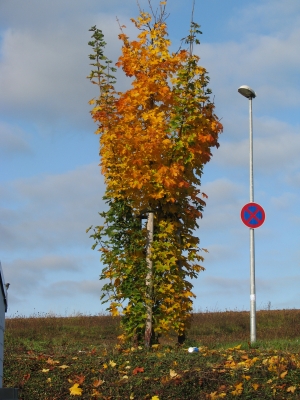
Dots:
(50, 184)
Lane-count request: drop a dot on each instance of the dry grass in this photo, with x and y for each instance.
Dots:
(212, 329)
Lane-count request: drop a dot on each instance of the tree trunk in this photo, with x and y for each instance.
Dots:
(181, 337)
(149, 280)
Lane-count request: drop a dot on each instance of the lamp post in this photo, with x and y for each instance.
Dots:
(249, 93)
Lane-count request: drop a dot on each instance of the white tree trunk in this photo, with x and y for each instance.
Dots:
(149, 280)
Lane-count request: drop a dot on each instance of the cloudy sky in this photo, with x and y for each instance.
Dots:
(50, 185)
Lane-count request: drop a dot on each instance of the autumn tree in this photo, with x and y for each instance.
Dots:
(154, 141)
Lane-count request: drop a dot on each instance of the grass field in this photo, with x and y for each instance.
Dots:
(49, 357)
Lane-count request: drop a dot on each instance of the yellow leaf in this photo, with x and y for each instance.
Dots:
(49, 380)
(154, 398)
(131, 396)
(255, 386)
(283, 374)
(75, 390)
(173, 374)
(238, 389)
(247, 377)
(105, 366)
(112, 363)
(45, 370)
(291, 389)
(63, 366)
(114, 311)
(51, 362)
(216, 395)
(155, 346)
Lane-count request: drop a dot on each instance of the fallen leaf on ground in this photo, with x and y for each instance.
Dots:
(238, 389)
(291, 389)
(63, 366)
(173, 374)
(137, 370)
(51, 362)
(97, 383)
(283, 374)
(75, 390)
(79, 379)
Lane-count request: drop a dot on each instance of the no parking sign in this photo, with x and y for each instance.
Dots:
(253, 215)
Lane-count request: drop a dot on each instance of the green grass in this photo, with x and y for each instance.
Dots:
(45, 355)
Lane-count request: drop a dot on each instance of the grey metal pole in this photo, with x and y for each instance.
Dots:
(252, 245)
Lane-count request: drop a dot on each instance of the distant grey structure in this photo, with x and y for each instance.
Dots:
(5, 393)
(8, 394)
(3, 309)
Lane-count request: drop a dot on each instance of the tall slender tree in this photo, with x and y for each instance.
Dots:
(154, 141)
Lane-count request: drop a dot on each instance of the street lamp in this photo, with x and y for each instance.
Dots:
(249, 93)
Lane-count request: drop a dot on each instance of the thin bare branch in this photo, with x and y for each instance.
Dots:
(192, 20)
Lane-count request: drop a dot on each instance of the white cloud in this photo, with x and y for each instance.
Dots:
(269, 64)
(13, 141)
(224, 199)
(276, 146)
(267, 15)
(27, 275)
(67, 288)
(285, 201)
(52, 211)
(219, 254)
(222, 191)
(43, 68)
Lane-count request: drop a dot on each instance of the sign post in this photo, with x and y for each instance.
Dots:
(253, 216)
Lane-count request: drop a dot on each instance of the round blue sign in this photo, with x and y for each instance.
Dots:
(253, 215)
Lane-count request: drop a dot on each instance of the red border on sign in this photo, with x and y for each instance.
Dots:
(253, 215)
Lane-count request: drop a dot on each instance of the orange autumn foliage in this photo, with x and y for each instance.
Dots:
(154, 141)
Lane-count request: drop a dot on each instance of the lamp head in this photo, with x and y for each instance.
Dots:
(246, 91)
